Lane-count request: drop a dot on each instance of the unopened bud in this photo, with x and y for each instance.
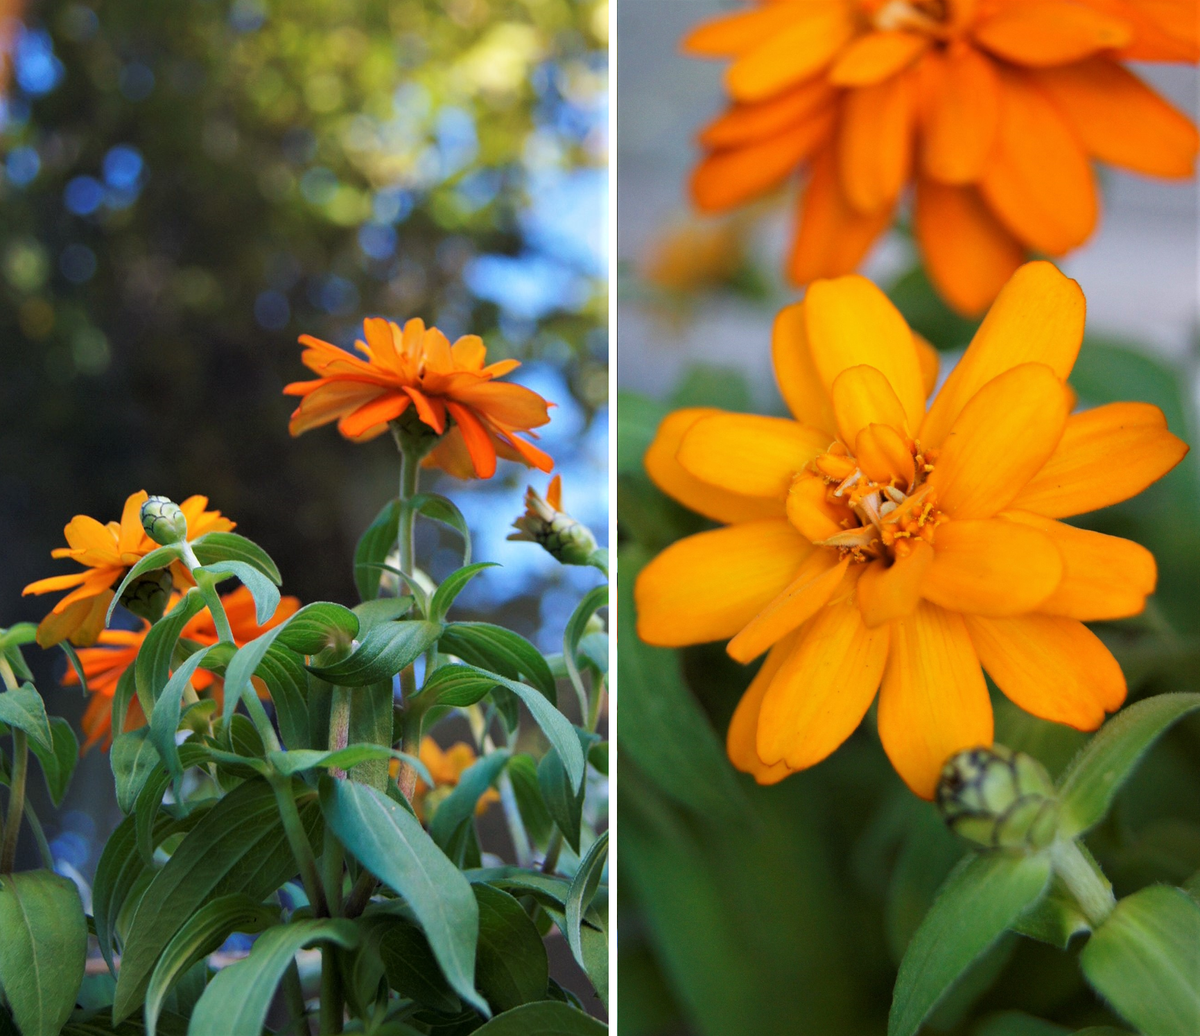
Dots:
(557, 532)
(164, 521)
(998, 798)
(147, 595)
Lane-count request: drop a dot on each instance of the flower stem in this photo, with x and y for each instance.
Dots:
(361, 894)
(301, 849)
(410, 472)
(593, 719)
(1091, 891)
(16, 802)
(332, 1008)
(293, 995)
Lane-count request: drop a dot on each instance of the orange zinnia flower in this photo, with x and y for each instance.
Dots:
(107, 552)
(105, 664)
(993, 108)
(446, 767)
(869, 541)
(448, 386)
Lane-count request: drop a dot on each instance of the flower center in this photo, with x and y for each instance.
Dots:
(927, 16)
(884, 495)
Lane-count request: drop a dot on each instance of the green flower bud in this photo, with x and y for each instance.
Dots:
(147, 595)
(163, 521)
(557, 532)
(998, 798)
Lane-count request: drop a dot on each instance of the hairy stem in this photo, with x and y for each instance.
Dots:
(1091, 891)
(301, 849)
(410, 471)
(16, 802)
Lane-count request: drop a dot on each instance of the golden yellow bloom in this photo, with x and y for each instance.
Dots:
(993, 108)
(107, 552)
(451, 391)
(445, 766)
(116, 650)
(871, 541)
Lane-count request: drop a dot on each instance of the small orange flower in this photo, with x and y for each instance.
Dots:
(873, 544)
(992, 107)
(107, 552)
(115, 651)
(449, 388)
(446, 767)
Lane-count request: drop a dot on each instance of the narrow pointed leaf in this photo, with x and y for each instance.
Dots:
(443, 510)
(458, 808)
(58, 764)
(374, 546)
(152, 562)
(583, 891)
(23, 709)
(214, 547)
(385, 650)
(152, 667)
(452, 586)
(545, 1018)
(500, 650)
(576, 627)
(133, 757)
(263, 589)
(511, 967)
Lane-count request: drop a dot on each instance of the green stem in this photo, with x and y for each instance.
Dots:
(1092, 892)
(262, 722)
(10, 684)
(593, 719)
(301, 849)
(552, 853)
(293, 995)
(332, 858)
(332, 1009)
(361, 894)
(410, 472)
(16, 802)
(206, 582)
(410, 741)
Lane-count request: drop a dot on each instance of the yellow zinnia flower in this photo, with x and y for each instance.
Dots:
(991, 108)
(107, 552)
(870, 541)
(446, 766)
(448, 387)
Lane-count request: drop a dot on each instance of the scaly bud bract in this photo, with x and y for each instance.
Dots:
(557, 532)
(998, 798)
(164, 521)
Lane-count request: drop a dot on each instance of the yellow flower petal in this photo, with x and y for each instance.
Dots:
(748, 454)
(708, 586)
(796, 374)
(877, 56)
(742, 737)
(668, 474)
(991, 567)
(930, 362)
(1037, 318)
(934, 701)
(886, 593)
(809, 509)
(1051, 667)
(1001, 439)
(863, 396)
(823, 688)
(1106, 455)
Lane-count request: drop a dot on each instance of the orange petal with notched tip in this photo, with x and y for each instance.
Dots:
(832, 237)
(1106, 455)
(1104, 577)
(796, 374)
(672, 478)
(475, 437)
(823, 688)
(810, 511)
(961, 115)
(749, 454)
(1053, 668)
(814, 584)
(708, 586)
(84, 533)
(968, 253)
(817, 31)
(1049, 32)
(1121, 120)
(1037, 180)
(862, 395)
(991, 567)
(874, 143)
(877, 56)
(934, 701)
(1001, 439)
(741, 741)
(893, 592)
(745, 123)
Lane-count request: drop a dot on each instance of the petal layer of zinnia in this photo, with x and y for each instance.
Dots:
(749, 454)
(796, 374)
(741, 741)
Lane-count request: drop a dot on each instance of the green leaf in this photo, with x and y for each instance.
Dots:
(456, 686)
(407, 961)
(164, 720)
(1056, 918)
(282, 670)
(444, 510)
(152, 668)
(302, 760)
(374, 546)
(452, 586)
(500, 650)
(162, 557)
(68, 649)
(576, 625)
(58, 764)
(1145, 961)
(390, 842)
(43, 949)
(1087, 787)
(978, 902)
(457, 810)
(202, 934)
(545, 1018)
(23, 709)
(133, 758)
(583, 891)
(264, 591)
(236, 1001)
(522, 772)
(511, 967)
(563, 798)
(237, 846)
(215, 547)
(17, 634)
(122, 698)
(1017, 1023)
(149, 799)
(382, 609)
(383, 652)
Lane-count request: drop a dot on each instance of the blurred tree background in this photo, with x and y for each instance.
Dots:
(186, 187)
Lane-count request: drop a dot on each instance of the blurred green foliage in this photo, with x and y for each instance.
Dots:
(752, 911)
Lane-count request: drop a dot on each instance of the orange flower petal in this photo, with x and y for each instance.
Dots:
(470, 353)
(968, 253)
(934, 701)
(1038, 180)
(883, 454)
(1053, 668)
(810, 511)
(1121, 120)
(741, 741)
(877, 56)
(851, 322)
(330, 402)
(525, 452)
(1106, 455)
(875, 142)
(1104, 577)
(862, 395)
(991, 567)
(1001, 439)
(52, 583)
(748, 454)
(745, 123)
(814, 584)
(733, 34)
(812, 38)
(1049, 32)
(708, 586)
(475, 437)
(823, 688)
(796, 374)
(930, 361)
(378, 412)
(672, 478)
(961, 116)
(887, 593)
(513, 406)
(431, 411)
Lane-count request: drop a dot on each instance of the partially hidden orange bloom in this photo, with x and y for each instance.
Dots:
(446, 767)
(115, 651)
(448, 386)
(870, 541)
(107, 553)
(993, 108)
